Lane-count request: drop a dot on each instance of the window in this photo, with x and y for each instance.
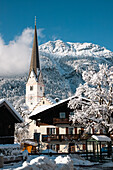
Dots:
(41, 88)
(51, 131)
(43, 102)
(31, 88)
(62, 115)
(53, 147)
(70, 131)
(71, 113)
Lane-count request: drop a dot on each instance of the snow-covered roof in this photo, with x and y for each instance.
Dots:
(46, 107)
(12, 108)
(52, 101)
(33, 143)
(42, 108)
(48, 99)
(101, 138)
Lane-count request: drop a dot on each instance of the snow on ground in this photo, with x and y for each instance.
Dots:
(69, 162)
(43, 163)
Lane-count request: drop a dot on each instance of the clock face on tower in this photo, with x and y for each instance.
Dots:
(30, 98)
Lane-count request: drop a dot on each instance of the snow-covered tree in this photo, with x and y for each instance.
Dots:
(22, 129)
(93, 105)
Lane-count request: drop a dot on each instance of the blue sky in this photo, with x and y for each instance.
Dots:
(68, 20)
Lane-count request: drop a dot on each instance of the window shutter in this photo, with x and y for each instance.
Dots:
(57, 130)
(57, 147)
(82, 129)
(101, 131)
(47, 131)
(75, 130)
(66, 130)
(84, 147)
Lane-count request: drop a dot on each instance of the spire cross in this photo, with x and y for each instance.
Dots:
(35, 20)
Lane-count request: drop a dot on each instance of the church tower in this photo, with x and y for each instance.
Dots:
(34, 86)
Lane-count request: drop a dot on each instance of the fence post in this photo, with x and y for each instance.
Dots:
(1, 160)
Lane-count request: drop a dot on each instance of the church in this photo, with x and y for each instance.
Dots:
(34, 86)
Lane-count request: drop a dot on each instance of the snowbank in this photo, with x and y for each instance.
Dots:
(64, 163)
(78, 160)
(41, 162)
(44, 163)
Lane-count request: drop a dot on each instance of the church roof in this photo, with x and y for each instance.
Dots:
(35, 64)
(50, 100)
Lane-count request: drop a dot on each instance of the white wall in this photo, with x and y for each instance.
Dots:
(33, 96)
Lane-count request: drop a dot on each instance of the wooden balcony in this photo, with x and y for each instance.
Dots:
(60, 121)
(64, 137)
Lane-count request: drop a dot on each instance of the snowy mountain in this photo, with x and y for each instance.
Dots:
(62, 65)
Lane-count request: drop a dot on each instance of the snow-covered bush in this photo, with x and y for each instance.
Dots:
(97, 110)
(10, 149)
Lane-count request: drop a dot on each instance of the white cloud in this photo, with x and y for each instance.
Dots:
(15, 57)
(40, 33)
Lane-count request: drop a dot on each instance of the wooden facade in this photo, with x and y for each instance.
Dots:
(8, 118)
(51, 116)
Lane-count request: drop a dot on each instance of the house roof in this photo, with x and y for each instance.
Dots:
(101, 138)
(15, 114)
(45, 108)
(48, 108)
(29, 142)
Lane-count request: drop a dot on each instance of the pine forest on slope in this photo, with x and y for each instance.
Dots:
(62, 65)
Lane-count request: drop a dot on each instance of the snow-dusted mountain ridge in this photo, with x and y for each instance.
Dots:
(62, 65)
(76, 49)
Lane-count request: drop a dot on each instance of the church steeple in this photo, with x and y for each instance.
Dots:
(35, 64)
(34, 85)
